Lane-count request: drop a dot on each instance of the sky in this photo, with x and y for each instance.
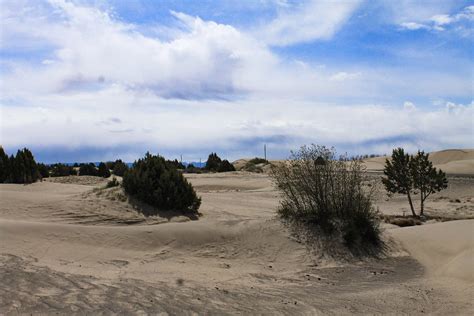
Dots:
(93, 80)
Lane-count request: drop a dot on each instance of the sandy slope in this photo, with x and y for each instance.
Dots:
(64, 248)
(451, 161)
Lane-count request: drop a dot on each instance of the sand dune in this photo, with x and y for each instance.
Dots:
(65, 248)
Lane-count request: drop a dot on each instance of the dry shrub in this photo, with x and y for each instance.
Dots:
(325, 196)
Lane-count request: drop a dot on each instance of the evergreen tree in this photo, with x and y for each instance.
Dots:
(225, 166)
(103, 171)
(413, 175)
(156, 182)
(4, 166)
(213, 162)
(88, 169)
(43, 170)
(119, 168)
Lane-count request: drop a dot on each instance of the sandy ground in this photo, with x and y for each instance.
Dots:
(72, 247)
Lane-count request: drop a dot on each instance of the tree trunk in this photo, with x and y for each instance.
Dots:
(422, 205)
(411, 205)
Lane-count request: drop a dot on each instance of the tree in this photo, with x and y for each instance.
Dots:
(61, 170)
(43, 170)
(103, 171)
(88, 169)
(213, 162)
(4, 166)
(225, 166)
(119, 168)
(154, 181)
(410, 175)
(426, 179)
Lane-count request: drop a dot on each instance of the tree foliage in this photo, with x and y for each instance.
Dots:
(213, 162)
(216, 164)
(119, 168)
(21, 168)
(158, 183)
(103, 171)
(412, 175)
(87, 169)
(327, 198)
(62, 170)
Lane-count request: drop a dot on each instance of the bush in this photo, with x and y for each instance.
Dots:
(213, 162)
(154, 181)
(43, 170)
(103, 171)
(113, 183)
(87, 169)
(119, 168)
(328, 199)
(225, 166)
(61, 170)
(256, 161)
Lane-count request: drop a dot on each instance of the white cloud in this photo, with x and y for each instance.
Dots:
(310, 20)
(409, 106)
(105, 83)
(440, 22)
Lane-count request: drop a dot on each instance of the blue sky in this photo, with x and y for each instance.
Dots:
(97, 80)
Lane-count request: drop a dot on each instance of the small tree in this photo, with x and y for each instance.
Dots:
(88, 169)
(410, 175)
(213, 162)
(103, 171)
(119, 168)
(225, 166)
(426, 178)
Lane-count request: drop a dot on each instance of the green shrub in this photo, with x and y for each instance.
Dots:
(328, 199)
(213, 162)
(103, 171)
(256, 161)
(112, 183)
(154, 181)
(43, 170)
(119, 168)
(225, 166)
(88, 169)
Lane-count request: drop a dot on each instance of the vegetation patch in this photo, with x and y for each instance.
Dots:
(154, 181)
(326, 197)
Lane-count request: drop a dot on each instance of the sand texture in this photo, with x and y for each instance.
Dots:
(71, 247)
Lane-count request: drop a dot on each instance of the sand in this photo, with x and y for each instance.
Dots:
(70, 247)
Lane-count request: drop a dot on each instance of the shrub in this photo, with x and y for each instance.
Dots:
(225, 166)
(328, 199)
(113, 183)
(103, 171)
(119, 168)
(87, 169)
(256, 161)
(43, 170)
(156, 182)
(213, 162)
(61, 170)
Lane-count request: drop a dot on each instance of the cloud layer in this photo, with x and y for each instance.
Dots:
(81, 77)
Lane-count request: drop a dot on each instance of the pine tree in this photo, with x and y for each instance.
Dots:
(410, 175)
(119, 168)
(103, 171)
(4, 166)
